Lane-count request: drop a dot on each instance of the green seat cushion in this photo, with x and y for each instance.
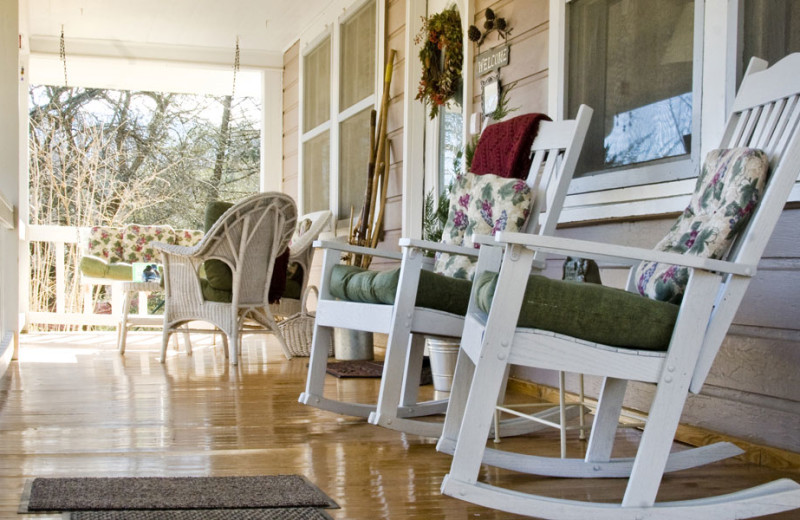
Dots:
(210, 294)
(218, 274)
(294, 281)
(98, 268)
(435, 291)
(590, 312)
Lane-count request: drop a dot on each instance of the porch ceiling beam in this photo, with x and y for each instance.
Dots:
(214, 56)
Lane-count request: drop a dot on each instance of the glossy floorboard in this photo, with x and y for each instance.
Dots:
(71, 406)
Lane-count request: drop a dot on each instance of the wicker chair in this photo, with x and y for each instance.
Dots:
(301, 254)
(248, 237)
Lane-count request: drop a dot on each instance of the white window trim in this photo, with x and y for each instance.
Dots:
(328, 25)
(418, 134)
(611, 195)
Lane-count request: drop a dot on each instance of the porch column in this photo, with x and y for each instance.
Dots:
(272, 131)
(9, 177)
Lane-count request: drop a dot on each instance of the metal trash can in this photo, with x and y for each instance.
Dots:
(349, 344)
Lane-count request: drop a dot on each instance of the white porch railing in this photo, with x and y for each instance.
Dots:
(59, 237)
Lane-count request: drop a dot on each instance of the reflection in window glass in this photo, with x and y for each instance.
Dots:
(660, 129)
(316, 173)
(631, 61)
(451, 121)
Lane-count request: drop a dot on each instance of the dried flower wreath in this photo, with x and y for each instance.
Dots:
(441, 56)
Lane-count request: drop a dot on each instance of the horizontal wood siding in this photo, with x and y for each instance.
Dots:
(527, 66)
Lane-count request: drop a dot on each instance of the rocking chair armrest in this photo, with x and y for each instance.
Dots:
(438, 246)
(175, 249)
(484, 240)
(625, 254)
(359, 250)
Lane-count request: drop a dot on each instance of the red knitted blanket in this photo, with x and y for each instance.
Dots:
(504, 148)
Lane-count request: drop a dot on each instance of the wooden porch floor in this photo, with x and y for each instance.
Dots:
(71, 406)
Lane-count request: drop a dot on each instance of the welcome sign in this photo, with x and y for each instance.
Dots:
(491, 59)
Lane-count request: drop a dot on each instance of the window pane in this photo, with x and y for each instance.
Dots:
(354, 161)
(317, 86)
(358, 57)
(771, 30)
(316, 173)
(450, 143)
(631, 61)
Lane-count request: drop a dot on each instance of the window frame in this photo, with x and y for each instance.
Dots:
(329, 25)
(660, 186)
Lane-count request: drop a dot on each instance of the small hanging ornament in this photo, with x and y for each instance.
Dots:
(492, 23)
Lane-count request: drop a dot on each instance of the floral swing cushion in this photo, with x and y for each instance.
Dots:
(480, 205)
(728, 188)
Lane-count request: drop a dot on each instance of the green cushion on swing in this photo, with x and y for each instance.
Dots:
(590, 312)
(435, 291)
(94, 267)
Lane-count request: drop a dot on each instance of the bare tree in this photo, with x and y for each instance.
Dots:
(102, 157)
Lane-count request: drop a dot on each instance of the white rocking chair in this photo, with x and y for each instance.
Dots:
(766, 116)
(555, 152)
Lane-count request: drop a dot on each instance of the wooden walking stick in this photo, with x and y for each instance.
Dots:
(384, 188)
(363, 225)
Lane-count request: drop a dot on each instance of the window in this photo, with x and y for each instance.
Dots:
(771, 30)
(356, 100)
(632, 62)
(316, 127)
(336, 153)
(451, 143)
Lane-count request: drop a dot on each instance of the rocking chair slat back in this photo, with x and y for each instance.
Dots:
(550, 159)
(768, 120)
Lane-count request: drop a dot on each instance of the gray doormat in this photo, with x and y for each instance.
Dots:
(370, 368)
(289, 513)
(123, 493)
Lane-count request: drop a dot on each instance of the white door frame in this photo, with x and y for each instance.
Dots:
(416, 159)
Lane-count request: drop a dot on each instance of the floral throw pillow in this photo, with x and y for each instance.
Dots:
(481, 205)
(728, 188)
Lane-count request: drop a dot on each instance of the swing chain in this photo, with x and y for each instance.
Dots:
(63, 55)
(235, 68)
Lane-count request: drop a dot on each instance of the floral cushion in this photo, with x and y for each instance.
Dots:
(728, 188)
(131, 243)
(136, 242)
(480, 205)
(106, 243)
(302, 227)
(188, 237)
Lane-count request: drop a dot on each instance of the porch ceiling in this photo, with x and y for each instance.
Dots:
(262, 25)
(159, 38)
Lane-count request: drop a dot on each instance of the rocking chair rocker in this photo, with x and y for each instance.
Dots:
(764, 127)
